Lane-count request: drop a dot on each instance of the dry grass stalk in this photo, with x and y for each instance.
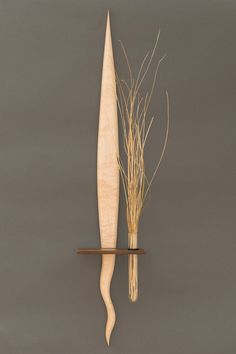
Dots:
(136, 125)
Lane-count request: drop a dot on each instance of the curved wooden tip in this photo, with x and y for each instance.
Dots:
(108, 264)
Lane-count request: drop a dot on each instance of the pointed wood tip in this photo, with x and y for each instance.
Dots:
(108, 340)
(108, 18)
(109, 328)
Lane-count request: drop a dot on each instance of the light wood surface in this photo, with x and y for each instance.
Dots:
(108, 175)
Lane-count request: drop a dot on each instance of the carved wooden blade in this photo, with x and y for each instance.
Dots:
(108, 175)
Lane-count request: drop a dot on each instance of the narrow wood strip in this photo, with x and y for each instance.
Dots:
(118, 251)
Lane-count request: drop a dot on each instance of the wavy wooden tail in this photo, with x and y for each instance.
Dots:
(108, 265)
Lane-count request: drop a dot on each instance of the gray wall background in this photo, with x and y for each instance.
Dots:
(51, 57)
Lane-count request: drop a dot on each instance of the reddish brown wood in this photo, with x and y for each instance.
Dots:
(117, 251)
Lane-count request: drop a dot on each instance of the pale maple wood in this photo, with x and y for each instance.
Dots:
(108, 175)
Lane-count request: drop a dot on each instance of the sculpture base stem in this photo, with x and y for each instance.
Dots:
(133, 268)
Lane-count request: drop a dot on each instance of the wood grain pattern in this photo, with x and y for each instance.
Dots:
(108, 175)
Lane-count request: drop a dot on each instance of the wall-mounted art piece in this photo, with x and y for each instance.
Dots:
(123, 104)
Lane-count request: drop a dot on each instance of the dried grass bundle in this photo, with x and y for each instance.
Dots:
(136, 125)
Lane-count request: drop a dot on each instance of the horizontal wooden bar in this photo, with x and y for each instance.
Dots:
(117, 251)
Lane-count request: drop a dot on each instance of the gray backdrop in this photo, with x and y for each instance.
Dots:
(50, 64)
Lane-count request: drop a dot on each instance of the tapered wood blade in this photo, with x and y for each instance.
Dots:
(108, 174)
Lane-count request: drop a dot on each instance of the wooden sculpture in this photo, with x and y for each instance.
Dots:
(108, 175)
(108, 182)
(136, 124)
